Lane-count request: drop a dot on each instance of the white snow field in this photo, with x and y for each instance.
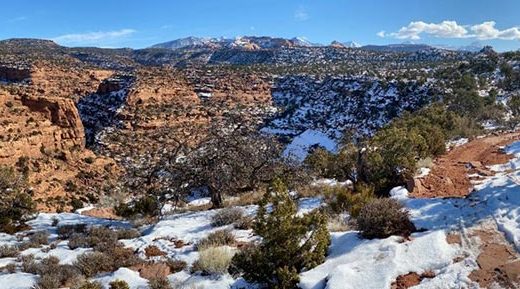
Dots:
(352, 262)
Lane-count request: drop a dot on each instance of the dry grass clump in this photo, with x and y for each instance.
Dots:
(245, 199)
(214, 260)
(424, 163)
(159, 283)
(217, 238)
(226, 216)
(338, 224)
(7, 251)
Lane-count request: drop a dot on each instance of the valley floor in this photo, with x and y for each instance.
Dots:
(470, 242)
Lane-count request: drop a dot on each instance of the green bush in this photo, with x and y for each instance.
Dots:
(147, 206)
(16, 205)
(342, 199)
(290, 242)
(384, 217)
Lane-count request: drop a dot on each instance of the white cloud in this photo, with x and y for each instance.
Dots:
(92, 37)
(487, 30)
(301, 14)
(451, 29)
(381, 33)
(445, 29)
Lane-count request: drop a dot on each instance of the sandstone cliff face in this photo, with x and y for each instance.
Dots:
(32, 125)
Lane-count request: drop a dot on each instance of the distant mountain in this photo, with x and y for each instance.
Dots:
(187, 42)
(404, 47)
(472, 47)
(351, 44)
(243, 42)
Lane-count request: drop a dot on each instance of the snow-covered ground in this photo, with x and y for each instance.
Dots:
(352, 262)
(357, 263)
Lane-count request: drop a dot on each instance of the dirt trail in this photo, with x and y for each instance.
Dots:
(452, 176)
(449, 175)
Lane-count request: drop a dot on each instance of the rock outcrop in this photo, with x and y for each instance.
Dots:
(14, 73)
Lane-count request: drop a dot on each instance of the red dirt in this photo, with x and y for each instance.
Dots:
(499, 263)
(411, 279)
(449, 175)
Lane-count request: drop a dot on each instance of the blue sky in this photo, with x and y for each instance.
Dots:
(137, 24)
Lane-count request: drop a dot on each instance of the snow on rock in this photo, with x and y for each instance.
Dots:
(185, 280)
(300, 145)
(358, 263)
(457, 142)
(399, 193)
(331, 183)
(129, 276)
(18, 281)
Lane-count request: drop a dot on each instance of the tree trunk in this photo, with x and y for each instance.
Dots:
(216, 198)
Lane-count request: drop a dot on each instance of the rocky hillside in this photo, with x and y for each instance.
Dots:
(340, 103)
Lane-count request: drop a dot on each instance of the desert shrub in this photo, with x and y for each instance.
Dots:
(78, 241)
(390, 158)
(76, 204)
(382, 218)
(339, 166)
(8, 251)
(39, 238)
(93, 263)
(28, 264)
(175, 265)
(153, 251)
(66, 231)
(53, 275)
(213, 260)
(127, 234)
(99, 238)
(217, 238)
(226, 216)
(10, 268)
(48, 282)
(119, 284)
(159, 283)
(342, 199)
(322, 162)
(91, 285)
(290, 242)
(16, 205)
(244, 223)
(147, 206)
